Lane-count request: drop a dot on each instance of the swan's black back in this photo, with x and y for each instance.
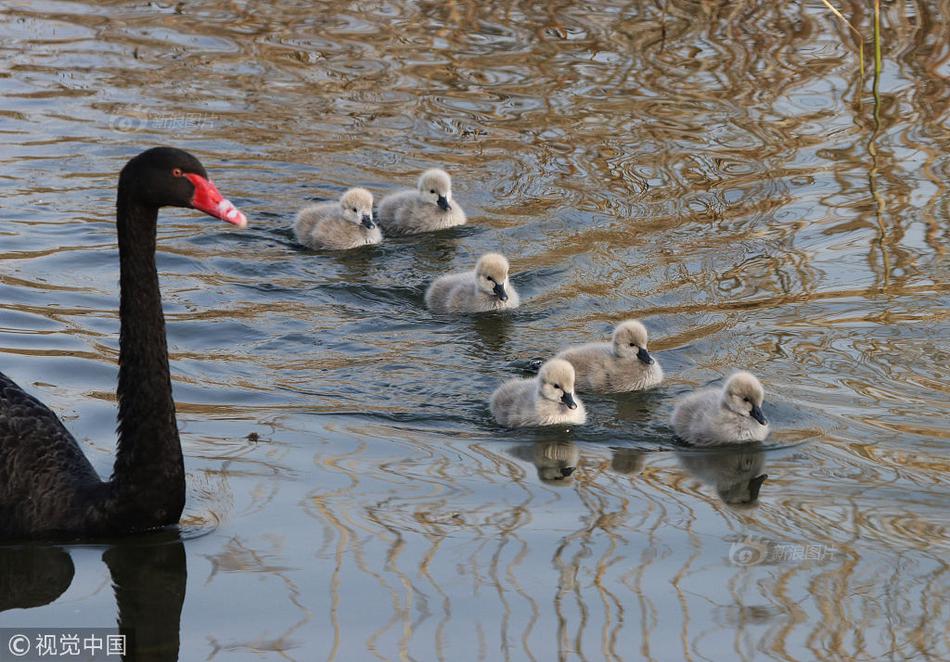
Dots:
(46, 473)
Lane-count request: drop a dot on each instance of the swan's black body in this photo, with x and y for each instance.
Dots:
(47, 486)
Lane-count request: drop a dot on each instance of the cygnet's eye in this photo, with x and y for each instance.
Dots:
(747, 400)
(354, 208)
(557, 386)
(633, 344)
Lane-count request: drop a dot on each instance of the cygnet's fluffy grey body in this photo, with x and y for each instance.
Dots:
(347, 223)
(429, 207)
(547, 399)
(484, 289)
(724, 415)
(621, 365)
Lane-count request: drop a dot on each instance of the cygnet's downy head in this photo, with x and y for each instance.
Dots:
(556, 382)
(630, 339)
(357, 205)
(436, 186)
(743, 394)
(491, 275)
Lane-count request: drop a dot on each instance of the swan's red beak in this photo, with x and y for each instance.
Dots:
(210, 201)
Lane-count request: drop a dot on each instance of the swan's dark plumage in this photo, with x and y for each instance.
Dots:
(47, 486)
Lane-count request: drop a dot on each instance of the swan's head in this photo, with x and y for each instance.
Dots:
(491, 275)
(743, 394)
(556, 382)
(436, 186)
(357, 206)
(169, 177)
(630, 339)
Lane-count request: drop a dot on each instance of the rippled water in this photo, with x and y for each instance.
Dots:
(722, 171)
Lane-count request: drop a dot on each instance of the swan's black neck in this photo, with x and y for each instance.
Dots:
(148, 480)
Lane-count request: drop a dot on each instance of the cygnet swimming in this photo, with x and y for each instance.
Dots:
(429, 207)
(484, 289)
(724, 415)
(340, 225)
(621, 365)
(547, 399)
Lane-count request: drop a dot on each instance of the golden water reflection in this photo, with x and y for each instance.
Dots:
(721, 170)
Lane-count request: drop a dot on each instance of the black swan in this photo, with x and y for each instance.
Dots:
(47, 486)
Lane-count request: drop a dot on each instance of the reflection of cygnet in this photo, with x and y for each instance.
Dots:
(624, 364)
(347, 223)
(736, 474)
(486, 288)
(721, 416)
(429, 207)
(556, 461)
(627, 461)
(547, 399)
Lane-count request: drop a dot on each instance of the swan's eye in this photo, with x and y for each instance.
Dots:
(432, 190)
(633, 344)
(747, 400)
(557, 386)
(176, 172)
(354, 208)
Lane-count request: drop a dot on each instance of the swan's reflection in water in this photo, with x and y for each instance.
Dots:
(736, 473)
(33, 576)
(627, 461)
(149, 574)
(556, 460)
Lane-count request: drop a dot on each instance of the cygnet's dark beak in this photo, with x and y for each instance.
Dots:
(567, 471)
(443, 203)
(757, 414)
(755, 485)
(368, 222)
(500, 291)
(644, 356)
(568, 399)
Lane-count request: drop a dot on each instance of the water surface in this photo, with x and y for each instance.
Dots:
(722, 171)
